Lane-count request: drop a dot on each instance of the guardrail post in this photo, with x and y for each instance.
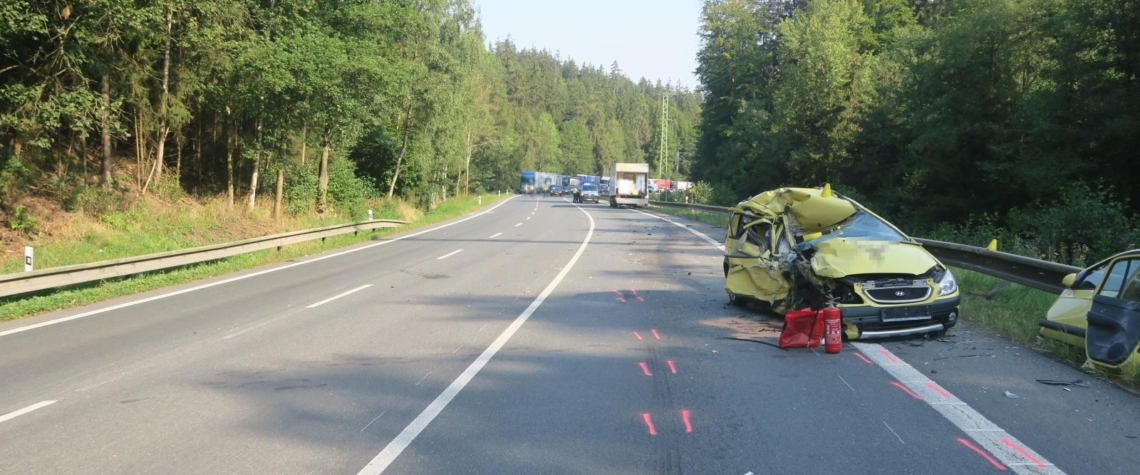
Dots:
(28, 254)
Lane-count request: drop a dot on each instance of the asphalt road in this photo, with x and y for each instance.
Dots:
(537, 338)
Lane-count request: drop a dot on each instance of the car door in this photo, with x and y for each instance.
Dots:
(1114, 319)
(752, 269)
(1069, 312)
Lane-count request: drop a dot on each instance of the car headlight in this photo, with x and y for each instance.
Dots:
(947, 285)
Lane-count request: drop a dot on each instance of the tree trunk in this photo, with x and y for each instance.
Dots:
(164, 125)
(106, 177)
(256, 169)
(324, 181)
(139, 147)
(403, 148)
(83, 153)
(178, 142)
(304, 143)
(280, 191)
(467, 172)
(230, 167)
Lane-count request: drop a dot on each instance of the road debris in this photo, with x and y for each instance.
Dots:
(1011, 395)
(961, 356)
(1050, 382)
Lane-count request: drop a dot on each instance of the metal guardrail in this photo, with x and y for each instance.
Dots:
(25, 282)
(1027, 271)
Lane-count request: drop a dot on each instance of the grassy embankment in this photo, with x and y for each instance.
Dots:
(152, 226)
(715, 219)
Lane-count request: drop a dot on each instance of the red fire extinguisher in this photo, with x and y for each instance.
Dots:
(832, 329)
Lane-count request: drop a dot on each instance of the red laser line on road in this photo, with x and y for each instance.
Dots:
(688, 423)
(649, 422)
(904, 388)
(639, 299)
(1023, 452)
(982, 453)
(889, 355)
(655, 334)
(672, 366)
(638, 335)
(645, 368)
(621, 296)
(941, 391)
(864, 358)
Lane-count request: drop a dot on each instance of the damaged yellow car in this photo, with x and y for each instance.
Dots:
(792, 248)
(1100, 311)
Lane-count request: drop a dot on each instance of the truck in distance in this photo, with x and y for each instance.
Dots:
(629, 182)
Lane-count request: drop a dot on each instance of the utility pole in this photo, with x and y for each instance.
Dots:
(664, 153)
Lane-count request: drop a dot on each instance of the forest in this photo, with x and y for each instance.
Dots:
(333, 103)
(961, 119)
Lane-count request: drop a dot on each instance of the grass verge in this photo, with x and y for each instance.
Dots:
(84, 294)
(715, 219)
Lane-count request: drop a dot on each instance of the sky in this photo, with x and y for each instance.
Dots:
(654, 39)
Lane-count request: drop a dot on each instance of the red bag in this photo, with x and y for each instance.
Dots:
(803, 328)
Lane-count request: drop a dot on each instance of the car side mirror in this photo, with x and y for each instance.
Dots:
(1069, 280)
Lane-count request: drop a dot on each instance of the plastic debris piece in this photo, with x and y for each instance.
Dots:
(1011, 395)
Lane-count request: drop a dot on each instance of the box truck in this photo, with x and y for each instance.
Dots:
(630, 185)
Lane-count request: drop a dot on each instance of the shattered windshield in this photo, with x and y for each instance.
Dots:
(864, 225)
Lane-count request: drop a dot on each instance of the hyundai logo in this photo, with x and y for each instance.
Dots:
(900, 293)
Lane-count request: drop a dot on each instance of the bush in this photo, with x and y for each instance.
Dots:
(21, 220)
(703, 192)
(299, 195)
(94, 201)
(1082, 226)
(348, 193)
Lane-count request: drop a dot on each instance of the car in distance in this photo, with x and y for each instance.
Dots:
(792, 248)
(589, 194)
(555, 190)
(1100, 311)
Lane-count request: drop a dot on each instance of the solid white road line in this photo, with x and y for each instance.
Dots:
(988, 435)
(330, 299)
(409, 434)
(14, 414)
(691, 230)
(242, 277)
(445, 256)
(517, 225)
(495, 236)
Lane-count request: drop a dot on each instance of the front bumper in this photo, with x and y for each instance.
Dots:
(871, 322)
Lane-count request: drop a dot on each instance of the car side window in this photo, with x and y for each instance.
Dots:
(736, 226)
(1091, 278)
(760, 236)
(1131, 288)
(1122, 272)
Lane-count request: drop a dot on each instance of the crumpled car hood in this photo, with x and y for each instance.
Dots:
(842, 257)
(808, 207)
